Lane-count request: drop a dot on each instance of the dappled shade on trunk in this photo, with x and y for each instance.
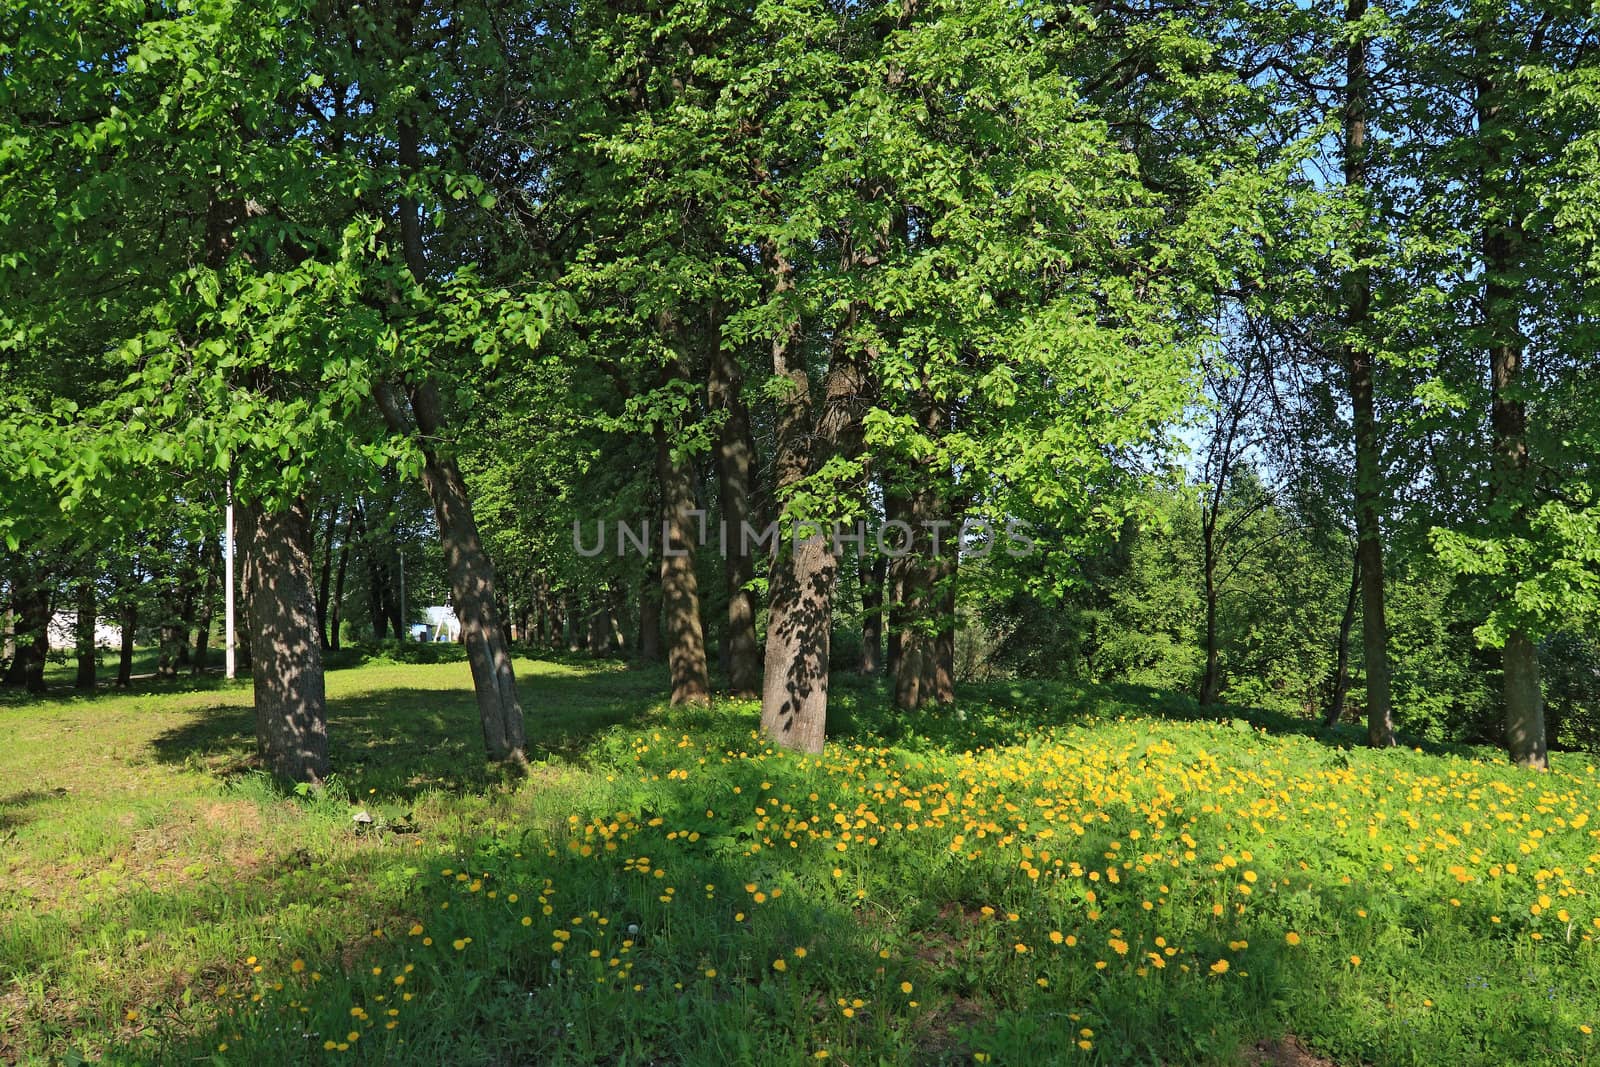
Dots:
(290, 701)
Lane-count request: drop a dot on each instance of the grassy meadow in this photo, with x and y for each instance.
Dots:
(1042, 875)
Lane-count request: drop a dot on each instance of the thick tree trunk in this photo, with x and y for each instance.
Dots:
(735, 459)
(1361, 367)
(1503, 249)
(291, 705)
(1525, 735)
(32, 604)
(1340, 683)
(680, 591)
(84, 636)
(872, 575)
(794, 695)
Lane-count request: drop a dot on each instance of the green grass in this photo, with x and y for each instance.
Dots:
(996, 884)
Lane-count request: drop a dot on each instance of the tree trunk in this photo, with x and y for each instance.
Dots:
(944, 641)
(917, 666)
(336, 605)
(650, 611)
(896, 508)
(325, 576)
(129, 621)
(794, 696)
(471, 576)
(1340, 687)
(680, 591)
(1211, 681)
(1361, 367)
(87, 653)
(171, 634)
(291, 705)
(1525, 735)
(735, 459)
(206, 612)
(1503, 249)
(872, 575)
(32, 638)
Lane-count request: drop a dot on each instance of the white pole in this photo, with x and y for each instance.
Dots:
(405, 630)
(227, 581)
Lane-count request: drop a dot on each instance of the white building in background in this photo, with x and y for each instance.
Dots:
(442, 625)
(63, 632)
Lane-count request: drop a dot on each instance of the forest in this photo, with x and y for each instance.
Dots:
(1274, 324)
(715, 532)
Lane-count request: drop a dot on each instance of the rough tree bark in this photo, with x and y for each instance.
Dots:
(804, 575)
(32, 605)
(680, 591)
(290, 701)
(471, 575)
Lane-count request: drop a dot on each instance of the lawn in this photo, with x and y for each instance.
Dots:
(1044, 875)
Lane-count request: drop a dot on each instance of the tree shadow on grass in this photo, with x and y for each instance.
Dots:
(401, 741)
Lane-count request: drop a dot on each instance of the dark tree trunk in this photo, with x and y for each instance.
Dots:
(914, 577)
(377, 578)
(172, 636)
(1361, 366)
(206, 611)
(291, 705)
(1524, 696)
(325, 576)
(32, 604)
(616, 607)
(872, 575)
(896, 508)
(336, 605)
(944, 641)
(129, 620)
(650, 611)
(735, 460)
(680, 591)
(1503, 249)
(194, 583)
(1211, 680)
(1339, 688)
(84, 637)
